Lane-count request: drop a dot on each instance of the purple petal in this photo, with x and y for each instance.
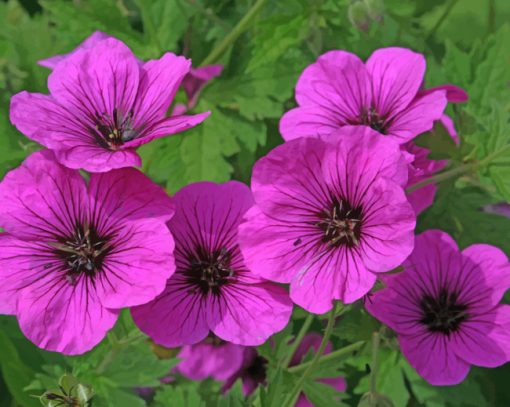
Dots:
(397, 74)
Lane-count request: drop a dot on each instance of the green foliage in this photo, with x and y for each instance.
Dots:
(465, 42)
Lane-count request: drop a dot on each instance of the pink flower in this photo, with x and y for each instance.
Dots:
(340, 90)
(104, 103)
(193, 83)
(75, 253)
(211, 358)
(252, 372)
(212, 289)
(253, 369)
(330, 213)
(445, 308)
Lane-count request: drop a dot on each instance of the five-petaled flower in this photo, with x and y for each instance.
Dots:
(445, 307)
(103, 103)
(212, 289)
(329, 214)
(73, 254)
(340, 90)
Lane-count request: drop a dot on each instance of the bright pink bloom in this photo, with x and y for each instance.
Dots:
(104, 103)
(212, 289)
(210, 358)
(330, 213)
(445, 307)
(340, 90)
(75, 253)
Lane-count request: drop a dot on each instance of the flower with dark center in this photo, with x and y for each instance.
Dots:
(74, 253)
(384, 94)
(445, 307)
(443, 313)
(103, 104)
(212, 290)
(330, 213)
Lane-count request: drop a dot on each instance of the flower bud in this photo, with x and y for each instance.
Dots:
(358, 16)
(375, 9)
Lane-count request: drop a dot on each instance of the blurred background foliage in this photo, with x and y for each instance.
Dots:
(466, 42)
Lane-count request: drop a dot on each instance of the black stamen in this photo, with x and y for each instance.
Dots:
(210, 271)
(341, 224)
(83, 252)
(112, 132)
(371, 118)
(443, 313)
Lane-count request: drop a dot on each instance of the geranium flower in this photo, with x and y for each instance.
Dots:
(212, 289)
(340, 90)
(103, 103)
(253, 369)
(329, 214)
(445, 307)
(210, 358)
(75, 253)
(193, 82)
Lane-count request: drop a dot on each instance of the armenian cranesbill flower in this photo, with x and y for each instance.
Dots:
(329, 214)
(210, 358)
(103, 103)
(73, 254)
(212, 289)
(445, 307)
(340, 90)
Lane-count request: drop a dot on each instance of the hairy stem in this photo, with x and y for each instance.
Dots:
(301, 334)
(241, 26)
(294, 394)
(460, 170)
(374, 366)
(335, 355)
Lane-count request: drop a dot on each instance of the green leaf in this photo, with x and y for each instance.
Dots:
(15, 373)
(322, 395)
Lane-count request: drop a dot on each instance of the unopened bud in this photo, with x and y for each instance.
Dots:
(358, 16)
(375, 9)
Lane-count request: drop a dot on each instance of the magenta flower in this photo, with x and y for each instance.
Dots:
(253, 369)
(193, 83)
(445, 308)
(212, 289)
(74, 254)
(104, 103)
(340, 90)
(211, 358)
(252, 372)
(330, 213)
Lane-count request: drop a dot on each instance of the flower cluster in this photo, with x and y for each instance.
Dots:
(327, 212)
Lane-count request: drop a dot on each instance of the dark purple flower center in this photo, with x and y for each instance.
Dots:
(341, 224)
(370, 117)
(113, 132)
(257, 369)
(83, 252)
(209, 271)
(443, 313)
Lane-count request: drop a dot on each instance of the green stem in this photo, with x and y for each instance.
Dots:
(294, 394)
(301, 334)
(443, 17)
(460, 170)
(241, 26)
(374, 367)
(336, 355)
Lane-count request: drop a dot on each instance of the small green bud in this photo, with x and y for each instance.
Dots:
(375, 9)
(358, 16)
